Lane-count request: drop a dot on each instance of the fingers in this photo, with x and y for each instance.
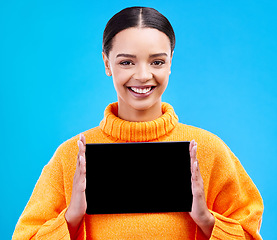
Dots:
(78, 205)
(196, 178)
(193, 150)
(191, 144)
(82, 144)
(83, 139)
(82, 147)
(82, 165)
(199, 212)
(80, 173)
(195, 171)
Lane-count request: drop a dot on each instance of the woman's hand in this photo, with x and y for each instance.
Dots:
(199, 213)
(78, 204)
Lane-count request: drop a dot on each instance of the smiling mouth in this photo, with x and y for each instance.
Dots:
(141, 91)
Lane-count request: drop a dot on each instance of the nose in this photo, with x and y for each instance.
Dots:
(143, 73)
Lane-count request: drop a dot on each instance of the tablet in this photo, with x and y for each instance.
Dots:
(143, 177)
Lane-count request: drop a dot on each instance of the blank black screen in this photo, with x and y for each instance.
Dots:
(138, 177)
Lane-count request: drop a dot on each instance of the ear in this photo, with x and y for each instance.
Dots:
(171, 62)
(107, 64)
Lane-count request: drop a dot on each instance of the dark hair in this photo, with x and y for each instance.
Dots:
(143, 17)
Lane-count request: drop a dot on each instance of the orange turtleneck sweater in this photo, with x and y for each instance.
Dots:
(231, 195)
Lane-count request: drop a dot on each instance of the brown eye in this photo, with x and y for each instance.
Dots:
(158, 63)
(126, 63)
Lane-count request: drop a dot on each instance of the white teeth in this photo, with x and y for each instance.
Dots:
(141, 90)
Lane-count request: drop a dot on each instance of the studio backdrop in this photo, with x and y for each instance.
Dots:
(53, 84)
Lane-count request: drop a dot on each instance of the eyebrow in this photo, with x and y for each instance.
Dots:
(134, 56)
(125, 55)
(158, 55)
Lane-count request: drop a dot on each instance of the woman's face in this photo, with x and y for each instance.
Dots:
(139, 61)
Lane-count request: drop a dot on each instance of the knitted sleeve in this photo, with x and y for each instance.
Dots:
(43, 217)
(232, 198)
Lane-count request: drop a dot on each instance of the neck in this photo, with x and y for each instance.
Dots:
(128, 113)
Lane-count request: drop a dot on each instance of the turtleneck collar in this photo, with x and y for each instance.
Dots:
(127, 131)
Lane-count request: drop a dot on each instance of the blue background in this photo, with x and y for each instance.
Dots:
(53, 84)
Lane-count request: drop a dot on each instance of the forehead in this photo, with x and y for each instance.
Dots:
(139, 41)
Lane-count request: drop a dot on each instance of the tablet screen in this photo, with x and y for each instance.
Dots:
(138, 177)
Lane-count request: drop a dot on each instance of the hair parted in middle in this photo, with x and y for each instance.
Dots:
(141, 17)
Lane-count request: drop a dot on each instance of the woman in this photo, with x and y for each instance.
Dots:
(138, 45)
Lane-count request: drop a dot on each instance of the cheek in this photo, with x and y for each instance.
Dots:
(162, 80)
(120, 78)
(162, 77)
(163, 85)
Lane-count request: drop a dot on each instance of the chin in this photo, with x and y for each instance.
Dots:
(143, 105)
